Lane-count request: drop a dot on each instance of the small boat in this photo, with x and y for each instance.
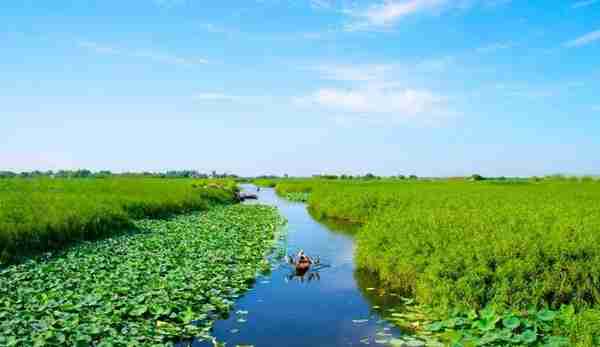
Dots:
(247, 196)
(302, 263)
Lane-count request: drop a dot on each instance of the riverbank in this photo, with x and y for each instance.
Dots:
(475, 245)
(165, 282)
(39, 215)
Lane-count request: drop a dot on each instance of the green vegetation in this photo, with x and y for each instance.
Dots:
(297, 196)
(265, 182)
(163, 283)
(471, 245)
(44, 214)
(486, 327)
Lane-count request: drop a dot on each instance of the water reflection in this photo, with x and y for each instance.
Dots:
(308, 274)
(336, 225)
(375, 292)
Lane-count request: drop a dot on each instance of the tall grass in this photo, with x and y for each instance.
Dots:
(44, 214)
(474, 244)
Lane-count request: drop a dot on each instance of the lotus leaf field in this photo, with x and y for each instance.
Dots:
(162, 283)
(465, 245)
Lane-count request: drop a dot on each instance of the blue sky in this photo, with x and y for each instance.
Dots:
(430, 87)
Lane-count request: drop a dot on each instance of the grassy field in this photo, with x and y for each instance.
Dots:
(265, 182)
(469, 245)
(44, 214)
(164, 283)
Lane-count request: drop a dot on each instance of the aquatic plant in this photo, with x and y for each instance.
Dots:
(488, 328)
(485, 327)
(297, 196)
(163, 283)
(43, 214)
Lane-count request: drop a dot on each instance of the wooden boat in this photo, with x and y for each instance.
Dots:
(247, 196)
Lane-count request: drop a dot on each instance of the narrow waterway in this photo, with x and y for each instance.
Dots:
(335, 305)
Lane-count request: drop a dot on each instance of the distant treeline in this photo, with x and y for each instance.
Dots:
(474, 177)
(85, 173)
(368, 176)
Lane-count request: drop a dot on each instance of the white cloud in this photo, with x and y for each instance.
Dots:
(383, 15)
(403, 103)
(144, 54)
(494, 47)
(386, 14)
(373, 93)
(584, 3)
(584, 40)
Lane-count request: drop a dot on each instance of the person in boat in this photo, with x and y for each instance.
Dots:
(302, 263)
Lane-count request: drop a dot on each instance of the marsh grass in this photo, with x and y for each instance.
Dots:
(473, 245)
(44, 214)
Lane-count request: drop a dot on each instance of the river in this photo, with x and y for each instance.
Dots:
(334, 306)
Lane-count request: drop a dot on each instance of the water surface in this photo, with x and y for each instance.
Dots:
(334, 306)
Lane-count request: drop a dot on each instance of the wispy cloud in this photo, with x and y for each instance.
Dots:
(584, 3)
(383, 15)
(494, 47)
(401, 102)
(584, 39)
(386, 14)
(142, 54)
